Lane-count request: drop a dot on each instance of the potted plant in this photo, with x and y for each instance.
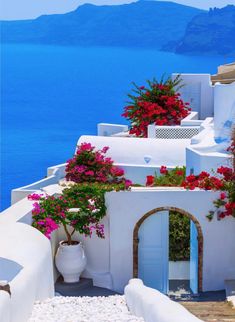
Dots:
(80, 208)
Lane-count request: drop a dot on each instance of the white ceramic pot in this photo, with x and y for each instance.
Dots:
(70, 261)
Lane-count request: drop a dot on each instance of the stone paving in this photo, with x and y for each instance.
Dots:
(211, 311)
(210, 307)
(83, 288)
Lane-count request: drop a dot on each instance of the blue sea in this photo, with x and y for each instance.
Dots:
(51, 95)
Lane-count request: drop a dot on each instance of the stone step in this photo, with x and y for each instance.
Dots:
(65, 288)
(83, 288)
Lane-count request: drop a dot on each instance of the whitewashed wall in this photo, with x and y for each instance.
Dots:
(25, 263)
(198, 91)
(126, 208)
(131, 153)
(206, 154)
(179, 270)
(198, 161)
(224, 106)
(107, 129)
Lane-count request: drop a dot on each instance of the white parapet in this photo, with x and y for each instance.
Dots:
(154, 306)
(53, 175)
(106, 129)
(188, 128)
(139, 151)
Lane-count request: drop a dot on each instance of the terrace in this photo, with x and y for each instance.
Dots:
(133, 216)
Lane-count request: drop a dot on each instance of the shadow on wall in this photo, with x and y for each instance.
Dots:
(9, 269)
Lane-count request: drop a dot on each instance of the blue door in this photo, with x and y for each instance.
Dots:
(153, 251)
(193, 258)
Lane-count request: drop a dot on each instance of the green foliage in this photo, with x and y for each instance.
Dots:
(88, 203)
(170, 178)
(179, 237)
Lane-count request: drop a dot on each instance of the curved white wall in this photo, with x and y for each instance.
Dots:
(25, 262)
(154, 306)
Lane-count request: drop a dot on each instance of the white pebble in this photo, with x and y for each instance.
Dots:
(83, 309)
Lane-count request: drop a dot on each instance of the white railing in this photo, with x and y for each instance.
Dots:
(189, 127)
(172, 132)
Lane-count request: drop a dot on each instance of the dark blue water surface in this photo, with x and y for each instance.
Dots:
(52, 95)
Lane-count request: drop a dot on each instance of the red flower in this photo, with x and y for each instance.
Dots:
(223, 196)
(226, 172)
(150, 180)
(159, 104)
(191, 178)
(163, 170)
(204, 174)
(179, 172)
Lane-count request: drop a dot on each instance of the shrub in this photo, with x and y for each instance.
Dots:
(158, 104)
(49, 212)
(223, 182)
(91, 165)
(179, 237)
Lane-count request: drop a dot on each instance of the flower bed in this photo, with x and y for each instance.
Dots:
(167, 178)
(223, 181)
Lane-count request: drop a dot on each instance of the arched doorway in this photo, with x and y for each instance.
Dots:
(199, 237)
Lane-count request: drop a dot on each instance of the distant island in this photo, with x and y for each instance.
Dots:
(210, 32)
(162, 25)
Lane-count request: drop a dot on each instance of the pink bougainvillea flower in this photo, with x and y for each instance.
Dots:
(128, 183)
(34, 196)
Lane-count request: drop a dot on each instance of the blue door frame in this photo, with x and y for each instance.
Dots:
(196, 250)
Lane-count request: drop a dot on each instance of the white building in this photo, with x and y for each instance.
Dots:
(136, 225)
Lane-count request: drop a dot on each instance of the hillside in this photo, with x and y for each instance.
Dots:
(142, 24)
(211, 32)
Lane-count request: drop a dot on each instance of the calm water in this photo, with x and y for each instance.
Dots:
(52, 95)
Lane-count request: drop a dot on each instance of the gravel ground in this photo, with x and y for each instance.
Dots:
(83, 309)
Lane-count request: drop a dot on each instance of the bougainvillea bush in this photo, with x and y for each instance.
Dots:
(81, 206)
(168, 177)
(223, 181)
(158, 103)
(91, 165)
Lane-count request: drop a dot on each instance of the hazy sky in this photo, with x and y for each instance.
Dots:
(26, 9)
